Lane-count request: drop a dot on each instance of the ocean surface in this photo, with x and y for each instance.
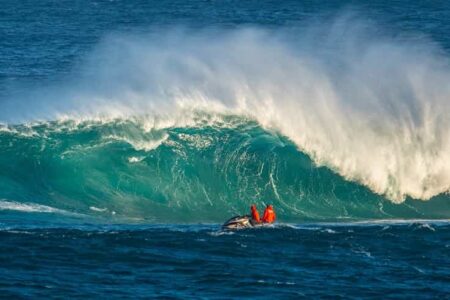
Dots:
(350, 261)
(131, 130)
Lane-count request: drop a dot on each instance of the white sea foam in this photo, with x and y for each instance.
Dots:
(134, 159)
(372, 108)
(29, 207)
(98, 209)
(386, 222)
(140, 143)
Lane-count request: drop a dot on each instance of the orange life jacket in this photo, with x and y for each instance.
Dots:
(269, 215)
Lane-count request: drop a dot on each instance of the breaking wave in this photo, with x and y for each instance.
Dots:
(328, 121)
(202, 172)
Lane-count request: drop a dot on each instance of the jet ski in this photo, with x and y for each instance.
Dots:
(239, 222)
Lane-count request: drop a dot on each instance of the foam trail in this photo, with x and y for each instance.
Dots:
(29, 207)
(372, 108)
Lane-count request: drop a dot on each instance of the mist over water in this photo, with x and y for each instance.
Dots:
(265, 108)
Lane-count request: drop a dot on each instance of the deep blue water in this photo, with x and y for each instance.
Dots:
(350, 261)
(125, 126)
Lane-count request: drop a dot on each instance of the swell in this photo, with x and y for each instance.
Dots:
(205, 171)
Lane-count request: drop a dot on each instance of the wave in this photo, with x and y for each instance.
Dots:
(328, 121)
(203, 172)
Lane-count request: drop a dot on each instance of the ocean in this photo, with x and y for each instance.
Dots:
(131, 130)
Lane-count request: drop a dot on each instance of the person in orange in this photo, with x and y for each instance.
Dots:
(269, 215)
(255, 214)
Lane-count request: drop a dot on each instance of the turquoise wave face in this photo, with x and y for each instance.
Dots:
(205, 172)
